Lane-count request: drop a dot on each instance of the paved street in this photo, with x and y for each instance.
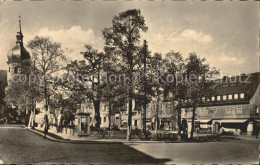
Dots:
(19, 145)
(233, 152)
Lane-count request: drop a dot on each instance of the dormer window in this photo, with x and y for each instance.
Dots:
(242, 95)
(224, 97)
(230, 97)
(235, 96)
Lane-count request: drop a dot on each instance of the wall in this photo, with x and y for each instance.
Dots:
(220, 112)
(255, 102)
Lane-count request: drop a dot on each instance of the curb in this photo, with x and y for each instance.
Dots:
(98, 141)
(91, 141)
(72, 141)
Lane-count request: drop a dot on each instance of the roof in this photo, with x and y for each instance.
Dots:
(246, 84)
(17, 53)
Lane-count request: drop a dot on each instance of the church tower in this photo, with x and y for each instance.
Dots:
(19, 60)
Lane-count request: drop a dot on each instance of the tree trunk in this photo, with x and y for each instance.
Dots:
(192, 121)
(109, 115)
(157, 114)
(144, 121)
(46, 98)
(130, 92)
(129, 123)
(97, 113)
(179, 118)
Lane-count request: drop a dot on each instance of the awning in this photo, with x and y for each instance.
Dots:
(203, 121)
(232, 121)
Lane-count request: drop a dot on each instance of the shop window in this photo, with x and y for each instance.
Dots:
(224, 97)
(242, 95)
(235, 96)
(228, 110)
(230, 97)
(218, 98)
(239, 109)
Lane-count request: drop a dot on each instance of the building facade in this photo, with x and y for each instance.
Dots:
(234, 107)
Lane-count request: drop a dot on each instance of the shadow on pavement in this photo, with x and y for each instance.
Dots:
(101, 152)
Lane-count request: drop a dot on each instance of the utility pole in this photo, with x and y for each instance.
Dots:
(144, 86)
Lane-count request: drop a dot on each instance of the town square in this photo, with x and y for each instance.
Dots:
(129, 82)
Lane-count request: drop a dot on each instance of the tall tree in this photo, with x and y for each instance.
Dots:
(157, 66)
(49, 59)
(175, 69)
(200, 82)
(94, 68)
(122, 40)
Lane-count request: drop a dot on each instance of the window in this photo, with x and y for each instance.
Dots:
(230, 97)
(235, 96)
(218, 98)
(202, 111)
(206, 110)
(135, 122)
(105, 119)
(15, 70)
(183, 112)
(214, 110)
(239, 109)
(224, 97)
(228, 110)
(154, 107)
(212, 98)
(257, 110)
(90, 119)
(203, 99)
(9, 69)
(242, 95)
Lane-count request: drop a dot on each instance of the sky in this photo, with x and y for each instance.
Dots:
(225, 33)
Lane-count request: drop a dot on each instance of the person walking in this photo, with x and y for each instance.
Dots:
(46, 125)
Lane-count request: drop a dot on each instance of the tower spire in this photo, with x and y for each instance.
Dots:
(20, 25)
(19, 36)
